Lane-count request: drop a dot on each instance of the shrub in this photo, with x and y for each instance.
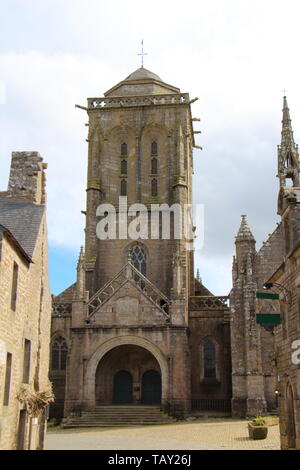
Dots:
(259, 421)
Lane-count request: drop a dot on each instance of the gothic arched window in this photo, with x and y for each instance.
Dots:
(124, 149)
(139, 259)
(124, 167)
(59, 351)
(154, 166)
(123, 188)
(154, 148)
(154, 191)
(209, 353)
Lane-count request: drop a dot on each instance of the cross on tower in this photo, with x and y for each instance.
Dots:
(143, 53)
(284, 91)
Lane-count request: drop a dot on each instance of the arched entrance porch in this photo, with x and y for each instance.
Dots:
(91, 392)
(128, 374)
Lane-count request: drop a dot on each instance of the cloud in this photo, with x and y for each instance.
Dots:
(39, 114)
(235, 56)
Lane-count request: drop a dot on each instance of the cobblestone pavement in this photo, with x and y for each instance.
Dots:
(204, 435)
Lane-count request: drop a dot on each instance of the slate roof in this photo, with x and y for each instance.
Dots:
(15, 242)
(66, 295)
(141, 74)
(23, 219)
(200, 289)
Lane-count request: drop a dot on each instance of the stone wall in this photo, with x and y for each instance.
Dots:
(288, 333)
(30, 321)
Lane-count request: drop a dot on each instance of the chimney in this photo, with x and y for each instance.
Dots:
(27, 179)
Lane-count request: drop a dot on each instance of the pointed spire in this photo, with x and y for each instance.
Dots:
(244, 232)
(198, 276)
(287, 135)
(80, 274)
(288, 156)
(81, 256)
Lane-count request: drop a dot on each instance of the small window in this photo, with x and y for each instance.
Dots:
(7, 379)
(154, 166)
(154, 148)
(209, 359)
(124, 149)
(154, 188)
(123, 188)
(124, 167)
(26, 361)
(59, 353)
(22, 430)
(14, 289)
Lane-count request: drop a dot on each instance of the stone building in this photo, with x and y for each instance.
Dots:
(265, 359)
(285, 280)
(252, 347)
(25, 301)
(136, 327)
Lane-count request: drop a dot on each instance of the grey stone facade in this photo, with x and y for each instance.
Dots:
(266, 361)
(157, 315)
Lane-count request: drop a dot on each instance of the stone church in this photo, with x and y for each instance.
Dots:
(136, 327)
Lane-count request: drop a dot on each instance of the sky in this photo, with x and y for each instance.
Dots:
(236, 56)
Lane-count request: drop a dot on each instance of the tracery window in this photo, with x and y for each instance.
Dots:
(139, 259)
(124, 149)
(59, 351)
(209, 353)
(123, 188)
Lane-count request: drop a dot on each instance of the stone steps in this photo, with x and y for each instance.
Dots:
(109, 416)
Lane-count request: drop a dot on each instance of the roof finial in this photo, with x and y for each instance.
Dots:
(143, 53)
(244, 232)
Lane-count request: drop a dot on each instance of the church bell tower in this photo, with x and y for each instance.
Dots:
(140, 149)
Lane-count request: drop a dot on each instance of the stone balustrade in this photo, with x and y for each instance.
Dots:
(209, 302)
(129, 101)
